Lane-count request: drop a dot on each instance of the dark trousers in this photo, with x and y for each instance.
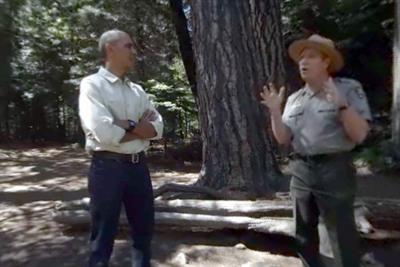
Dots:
(112, 183)
(324, 190)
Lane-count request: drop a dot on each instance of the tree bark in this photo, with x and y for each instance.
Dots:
(185, 42)
(238, 47)
(396, 81)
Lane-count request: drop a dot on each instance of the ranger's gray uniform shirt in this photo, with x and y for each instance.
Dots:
(314, 121)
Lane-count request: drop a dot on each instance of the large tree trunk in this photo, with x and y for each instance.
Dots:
(396, 81)
(238, 47)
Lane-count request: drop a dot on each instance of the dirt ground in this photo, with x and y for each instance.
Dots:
(34, 180)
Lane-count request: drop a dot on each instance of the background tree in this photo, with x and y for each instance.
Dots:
(7, 10)
(55, 45)
(48, 46)
(396, 83)
(185, 42)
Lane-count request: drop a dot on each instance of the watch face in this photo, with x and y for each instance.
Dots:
(132, 124)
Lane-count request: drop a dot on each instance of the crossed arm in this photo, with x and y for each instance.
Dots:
(144, 129)
(105, 128)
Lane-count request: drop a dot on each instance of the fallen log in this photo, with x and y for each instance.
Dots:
(381, 213)
(256, 209)
(267, 225)
(189, 222)
(370, 213)
(195, 215)
(177, 188)
(279, 225)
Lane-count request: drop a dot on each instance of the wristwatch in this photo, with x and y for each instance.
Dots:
(132, 125)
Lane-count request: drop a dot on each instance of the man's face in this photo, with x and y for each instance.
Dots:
(313, 64)
(122, 52)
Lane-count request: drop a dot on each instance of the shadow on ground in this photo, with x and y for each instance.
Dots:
(32, 181)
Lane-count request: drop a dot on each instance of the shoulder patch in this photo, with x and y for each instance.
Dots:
(351, 85)
(348, 81)
(360, 92)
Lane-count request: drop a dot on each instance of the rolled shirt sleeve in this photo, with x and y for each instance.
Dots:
(158, 124)
(96, 119)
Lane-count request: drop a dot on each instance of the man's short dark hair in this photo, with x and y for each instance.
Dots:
(108, 37)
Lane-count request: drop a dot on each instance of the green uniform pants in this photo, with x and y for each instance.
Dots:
(323, 188)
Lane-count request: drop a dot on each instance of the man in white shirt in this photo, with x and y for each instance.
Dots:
(119, 121)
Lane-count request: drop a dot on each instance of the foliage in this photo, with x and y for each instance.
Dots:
(175, 101)
(379, 157)
(55, 45)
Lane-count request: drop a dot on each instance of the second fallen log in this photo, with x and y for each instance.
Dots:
(278, 225)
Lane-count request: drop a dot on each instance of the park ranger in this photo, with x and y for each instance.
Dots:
(323, 122)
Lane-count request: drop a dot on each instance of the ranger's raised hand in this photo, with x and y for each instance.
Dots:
(271, 98)
(333, 95)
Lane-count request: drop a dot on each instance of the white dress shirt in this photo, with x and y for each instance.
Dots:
(104, 97)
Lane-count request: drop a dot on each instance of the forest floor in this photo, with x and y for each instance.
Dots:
(34, 180)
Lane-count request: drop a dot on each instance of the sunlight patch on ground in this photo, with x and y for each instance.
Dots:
(8, 163)
(22, 188)
(17, 171)
(364, 170)
(57, 184)
(203, 255)
(174, 175)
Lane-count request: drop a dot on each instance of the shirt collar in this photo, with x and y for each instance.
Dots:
(309, 92)
(110, 76)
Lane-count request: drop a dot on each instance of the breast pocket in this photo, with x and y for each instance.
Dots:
(114, 103)
(115, 106)
(294, 116)
(295, 112)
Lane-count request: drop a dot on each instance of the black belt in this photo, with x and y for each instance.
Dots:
(133, 158)
(318, 157)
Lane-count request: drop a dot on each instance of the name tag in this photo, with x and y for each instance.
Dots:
(296, 111)
(296, 114)
(327, 110)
